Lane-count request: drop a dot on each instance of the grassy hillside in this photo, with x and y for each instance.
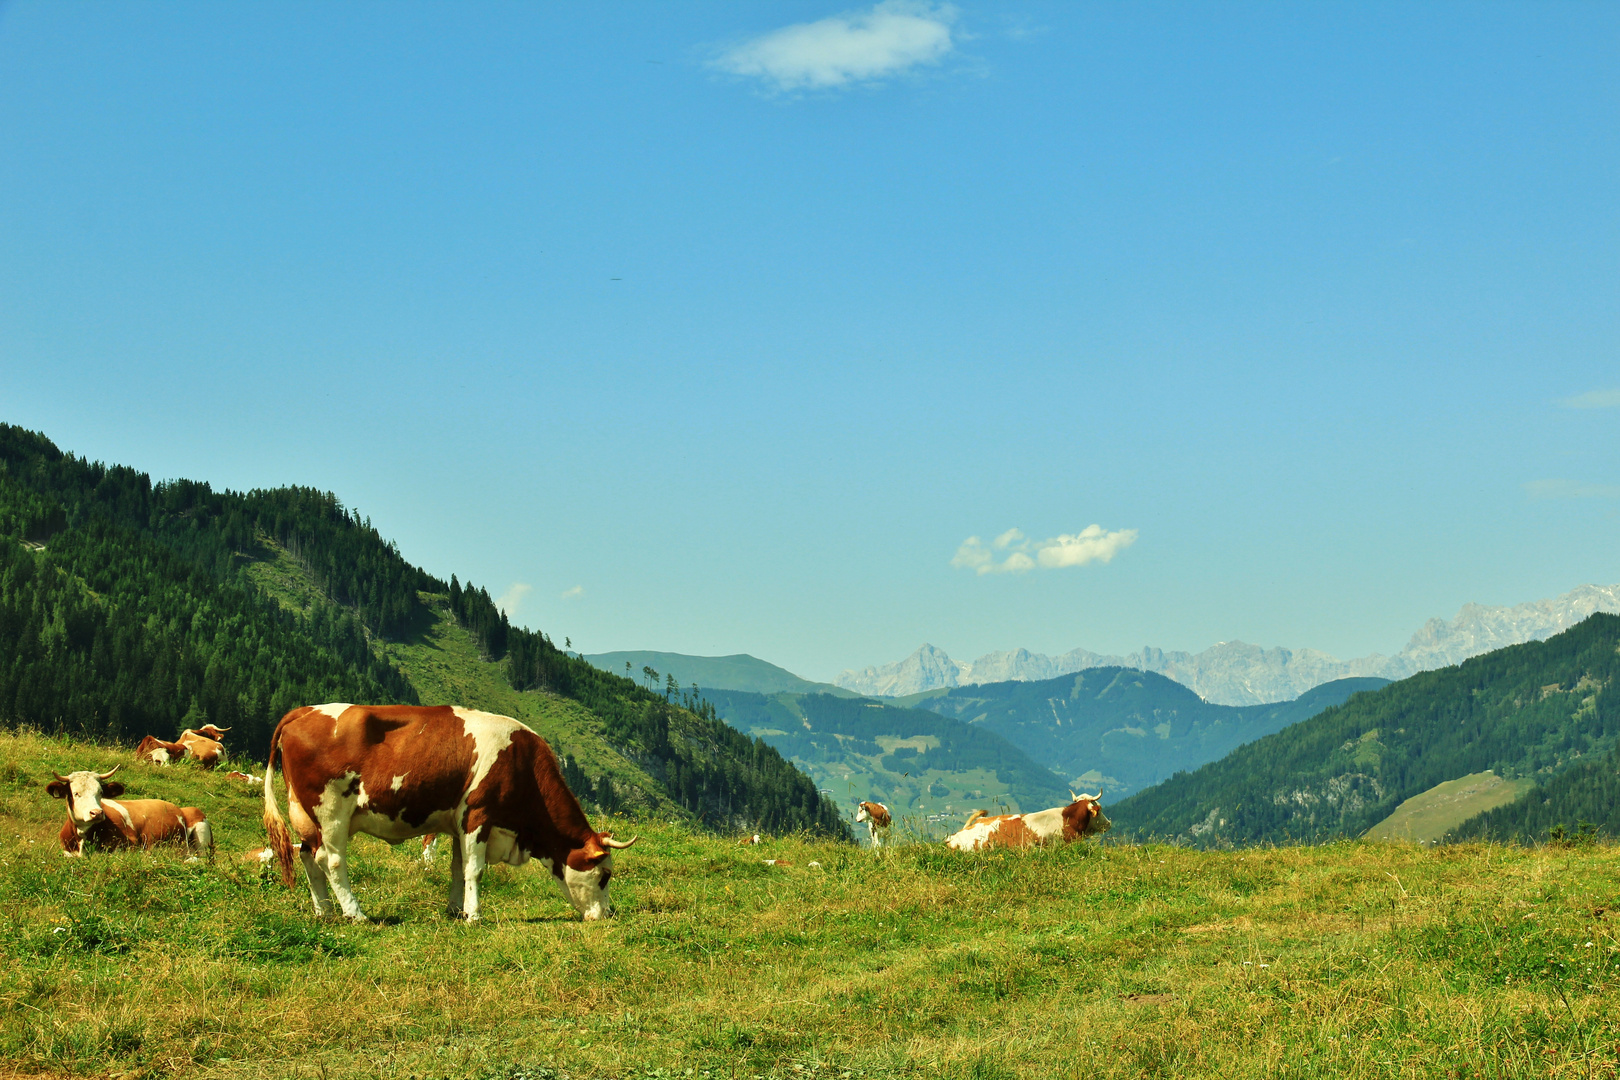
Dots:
(1121, 729)
(1531, 710)
(128, 608)
(1436, 814)
(1352, 959)
(739, 672)
(930, 770)
(1581, 800)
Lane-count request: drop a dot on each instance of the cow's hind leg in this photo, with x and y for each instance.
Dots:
(317, 879)
(333, 857)
(458, 892)
(200, 839)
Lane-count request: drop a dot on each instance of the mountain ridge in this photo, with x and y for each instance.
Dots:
(1237, 673)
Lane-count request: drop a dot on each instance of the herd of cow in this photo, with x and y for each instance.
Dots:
(401, 771)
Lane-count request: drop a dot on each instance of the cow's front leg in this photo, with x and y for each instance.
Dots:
(473, 853)
(452, 905)
(333, 858)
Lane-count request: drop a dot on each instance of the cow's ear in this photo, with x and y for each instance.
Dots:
(57, 789)
(111, 789)
(585, 858)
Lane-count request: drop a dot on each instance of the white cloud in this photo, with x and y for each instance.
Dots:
(1091, 544)
(509, 600)
(1593, 399)
(1570, 489)
(573, 593)
(855, 47)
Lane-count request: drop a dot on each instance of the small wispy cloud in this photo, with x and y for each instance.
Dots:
(573, 592)
(863, 46)
(509, 600)
(1593, 399)
(1014, 553)
(1570, 489)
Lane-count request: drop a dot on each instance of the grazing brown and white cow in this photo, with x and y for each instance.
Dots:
(97, 817)
(877, 819)
(1083, 817)
(203, 744)
(398, 771)
(158, 752)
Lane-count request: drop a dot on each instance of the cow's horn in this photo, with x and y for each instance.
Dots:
(221, 730)
(1073, 796)
(608, 841)
(108, 773)
(62, 778)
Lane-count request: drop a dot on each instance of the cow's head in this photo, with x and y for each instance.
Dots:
(215, 733)
(586, 874)
(84, 791)
(1084, 817)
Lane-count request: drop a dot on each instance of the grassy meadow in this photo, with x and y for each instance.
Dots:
(1346, 960)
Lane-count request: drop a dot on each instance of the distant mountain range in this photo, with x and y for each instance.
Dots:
(1237, 673)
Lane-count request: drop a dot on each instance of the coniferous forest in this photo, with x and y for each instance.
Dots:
(126, 609)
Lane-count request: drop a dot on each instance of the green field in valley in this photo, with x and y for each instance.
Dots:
(1345, 960)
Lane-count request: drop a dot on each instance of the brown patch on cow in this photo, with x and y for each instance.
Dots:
(1010, 832)
(152, 744)
(203, 750)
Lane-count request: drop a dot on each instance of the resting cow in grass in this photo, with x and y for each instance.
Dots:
(158, 752)
(877, 819)
(398, 771)
(204, 744)
(98, 818)
(1081, 818)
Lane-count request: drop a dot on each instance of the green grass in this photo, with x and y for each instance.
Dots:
(1348, 960)
(1428, 817)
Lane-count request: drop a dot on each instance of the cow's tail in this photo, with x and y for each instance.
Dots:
(274, 824)
(975, 816)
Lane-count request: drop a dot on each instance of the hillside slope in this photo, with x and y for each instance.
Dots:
(920, 764)
(1123, 729)
(128, 608)
(1529, 710)
(737, 672)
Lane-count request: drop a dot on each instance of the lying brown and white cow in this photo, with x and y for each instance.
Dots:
(398, 771)
(203, 744)
(158, 752)
(1083, 817)
(97, 817)
(877, 819)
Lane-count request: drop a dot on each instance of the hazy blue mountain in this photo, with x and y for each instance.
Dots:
(1123, 729)
(1237, 673)
(739, 672)
(919, 763)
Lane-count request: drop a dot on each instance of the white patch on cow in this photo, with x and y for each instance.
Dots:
(361, 799)
(585, 891)
(334, 710)
(1046, 824)
(399, 781)
(502, 847)
(972, 838)
(159, 756)
(491, 734)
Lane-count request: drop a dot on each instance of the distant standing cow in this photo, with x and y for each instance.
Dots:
(1081, 818)
(98, 818)
(877, 819)
(398, 771)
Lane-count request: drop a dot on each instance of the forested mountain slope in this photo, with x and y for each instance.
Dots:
(921, 764)
(128, 607)
(1528, 710)
(1121, 728)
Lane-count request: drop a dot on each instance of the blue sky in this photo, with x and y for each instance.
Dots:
(727, 327)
